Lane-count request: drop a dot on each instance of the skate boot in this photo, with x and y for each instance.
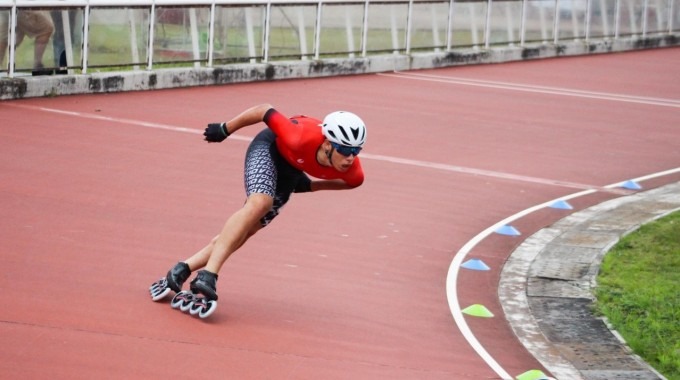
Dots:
(205, 284)
(173, 281)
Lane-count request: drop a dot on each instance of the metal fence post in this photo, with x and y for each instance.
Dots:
(487, 26)
(645, 10)
(267, 26)
(364, 32)
(617, 17)
(449, 27)
(152, 27)
(12, 40)
(523, 23)
(211, 34)
(556, 23)
(86, 37)
(409, 21)
(317, 30)
(670, 16)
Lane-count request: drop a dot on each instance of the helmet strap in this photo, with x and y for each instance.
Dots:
(329, 154)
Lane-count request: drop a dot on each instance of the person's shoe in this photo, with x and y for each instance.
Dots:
(40, 69)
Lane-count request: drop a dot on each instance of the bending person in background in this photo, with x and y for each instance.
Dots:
(34, 24)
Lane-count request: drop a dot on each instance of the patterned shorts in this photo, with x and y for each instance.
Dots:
(266, 172)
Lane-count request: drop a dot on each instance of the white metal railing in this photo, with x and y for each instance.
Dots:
(90, 35)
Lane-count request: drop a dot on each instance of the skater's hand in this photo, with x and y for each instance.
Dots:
(216, 132)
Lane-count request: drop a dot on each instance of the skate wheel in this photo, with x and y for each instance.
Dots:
(208, 309)
(159, 294)
(197, 306)
(182, 300)
(203, 307)
(186, 306)
(162, 283)
(159, 289)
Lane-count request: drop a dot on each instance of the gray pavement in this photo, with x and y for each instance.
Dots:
(546, 288)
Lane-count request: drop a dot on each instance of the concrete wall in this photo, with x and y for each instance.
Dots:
(27, 87)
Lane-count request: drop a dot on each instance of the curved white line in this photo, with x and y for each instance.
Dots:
(452, 276)
(452, 290)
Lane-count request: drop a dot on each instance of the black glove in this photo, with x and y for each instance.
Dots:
(216, 132)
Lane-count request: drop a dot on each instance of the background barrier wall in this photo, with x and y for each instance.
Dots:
(77, 46)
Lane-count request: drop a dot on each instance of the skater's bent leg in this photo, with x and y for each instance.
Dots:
(239, 227)
(200, 258)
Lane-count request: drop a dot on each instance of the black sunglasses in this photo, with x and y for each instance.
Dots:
(346, 150)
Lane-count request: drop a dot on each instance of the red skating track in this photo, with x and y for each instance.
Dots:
(101, 194)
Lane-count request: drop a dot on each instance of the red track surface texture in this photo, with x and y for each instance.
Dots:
(101, 195)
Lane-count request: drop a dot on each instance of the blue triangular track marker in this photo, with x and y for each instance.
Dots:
(631, 185)
(508, 230)
(475, 264)
(562, 205)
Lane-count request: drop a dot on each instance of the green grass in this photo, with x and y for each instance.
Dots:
(639, 292)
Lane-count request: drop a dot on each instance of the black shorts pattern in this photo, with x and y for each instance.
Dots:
(266, 172)
(260, 171)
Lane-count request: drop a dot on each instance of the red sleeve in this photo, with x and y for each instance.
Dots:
(285, 130)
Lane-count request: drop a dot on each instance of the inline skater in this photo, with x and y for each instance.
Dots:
(278, 162)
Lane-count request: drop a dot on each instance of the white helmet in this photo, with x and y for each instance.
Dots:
(344, 128)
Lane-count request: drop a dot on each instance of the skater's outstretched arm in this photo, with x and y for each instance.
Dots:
(333, 184)
(248, 117)
(217, 132)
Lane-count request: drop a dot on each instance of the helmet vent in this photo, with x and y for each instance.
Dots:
(355, 132)
(344, 133)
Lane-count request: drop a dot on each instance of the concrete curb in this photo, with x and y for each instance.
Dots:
(103, 82)
(545, 289)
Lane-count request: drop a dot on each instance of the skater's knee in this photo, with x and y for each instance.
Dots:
(259, 205)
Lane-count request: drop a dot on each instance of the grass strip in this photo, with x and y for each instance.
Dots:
(639, 292)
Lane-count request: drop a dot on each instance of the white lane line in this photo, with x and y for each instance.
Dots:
(119, 120)
(491, 173)
(377, 157)
(537, 89)
(452, 275)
